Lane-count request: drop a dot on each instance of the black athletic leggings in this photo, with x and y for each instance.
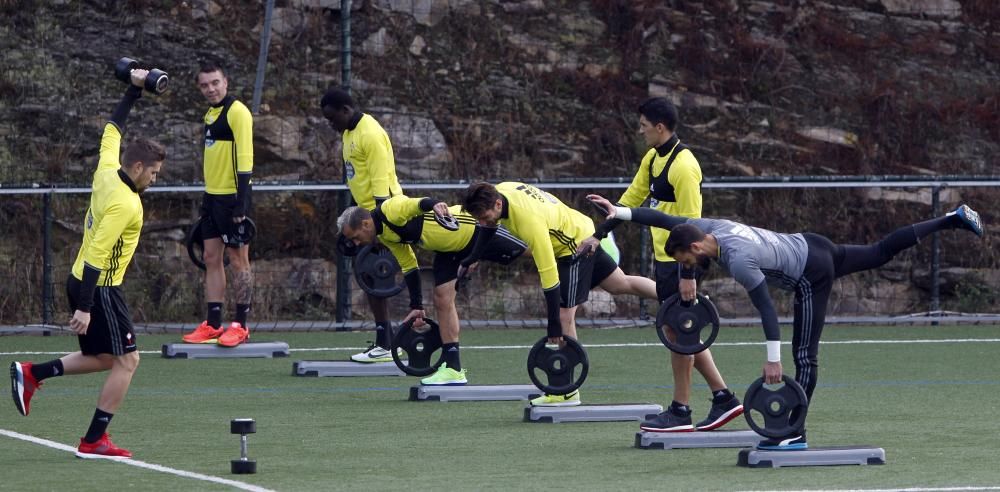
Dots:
(825, 263)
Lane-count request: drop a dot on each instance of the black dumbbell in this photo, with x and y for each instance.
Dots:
(156, 80)
(243, 427)
(123, 69)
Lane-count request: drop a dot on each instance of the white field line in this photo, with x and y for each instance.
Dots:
(609, 345)
(140, 464)
(907, 489)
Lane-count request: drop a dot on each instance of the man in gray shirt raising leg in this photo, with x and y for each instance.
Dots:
(804, 263)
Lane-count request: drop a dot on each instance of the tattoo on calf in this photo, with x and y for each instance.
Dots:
(243, 284)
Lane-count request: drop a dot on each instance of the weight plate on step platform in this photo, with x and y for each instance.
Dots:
(419, 345)
(776, 407)
(558, 366)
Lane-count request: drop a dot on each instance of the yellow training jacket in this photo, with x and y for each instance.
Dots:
(679, 192)
(551, 229)
(414, 226)
(371, 168)
(112, 224)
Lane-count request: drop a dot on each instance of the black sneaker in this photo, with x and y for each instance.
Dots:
(721, 414)
(667, 421)
(787, 443)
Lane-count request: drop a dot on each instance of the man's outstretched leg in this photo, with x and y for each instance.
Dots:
(27, 377)
(854, 258)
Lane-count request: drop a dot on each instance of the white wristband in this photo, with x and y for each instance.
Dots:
(623, 213)
(774, 350)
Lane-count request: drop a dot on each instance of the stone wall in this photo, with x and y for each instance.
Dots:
(529, 89)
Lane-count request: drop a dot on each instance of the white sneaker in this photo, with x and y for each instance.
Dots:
(374, 353)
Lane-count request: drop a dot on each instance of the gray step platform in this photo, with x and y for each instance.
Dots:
(338, 368)
(482, 392)
(709, 439)
(215, 351)
(592, 413)
(845, 455)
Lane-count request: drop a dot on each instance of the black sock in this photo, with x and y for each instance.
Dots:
(98, 425)
(215, 314)
(680, 409)
(242, 310)
(450, 351)
(721, 396)
(382, 333)
(47, 370)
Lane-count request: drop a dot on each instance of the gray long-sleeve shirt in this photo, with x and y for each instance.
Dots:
(753, 255)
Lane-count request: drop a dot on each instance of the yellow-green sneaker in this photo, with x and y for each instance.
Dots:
(445, 376)
(570, 400)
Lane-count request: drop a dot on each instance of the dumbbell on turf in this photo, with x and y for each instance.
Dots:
(156, 80)
(243, 427)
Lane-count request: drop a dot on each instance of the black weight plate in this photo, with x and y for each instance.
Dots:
(196, 245)
(558, 366)
(419, 344)
(240, 234)
(688, 321)
(776, 408)
(377, 271)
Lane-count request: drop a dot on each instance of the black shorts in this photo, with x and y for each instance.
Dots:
(110, 330)
(219, 210)
(503, 248)
(668, 277)
(582, 271)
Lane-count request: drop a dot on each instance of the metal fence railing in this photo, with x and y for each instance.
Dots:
(299, 286)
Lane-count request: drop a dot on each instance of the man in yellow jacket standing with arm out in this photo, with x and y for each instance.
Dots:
(101, 320)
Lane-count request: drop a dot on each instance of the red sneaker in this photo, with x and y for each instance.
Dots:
(203, 334)
(22, 386)
(103, 448)
(234, 335)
